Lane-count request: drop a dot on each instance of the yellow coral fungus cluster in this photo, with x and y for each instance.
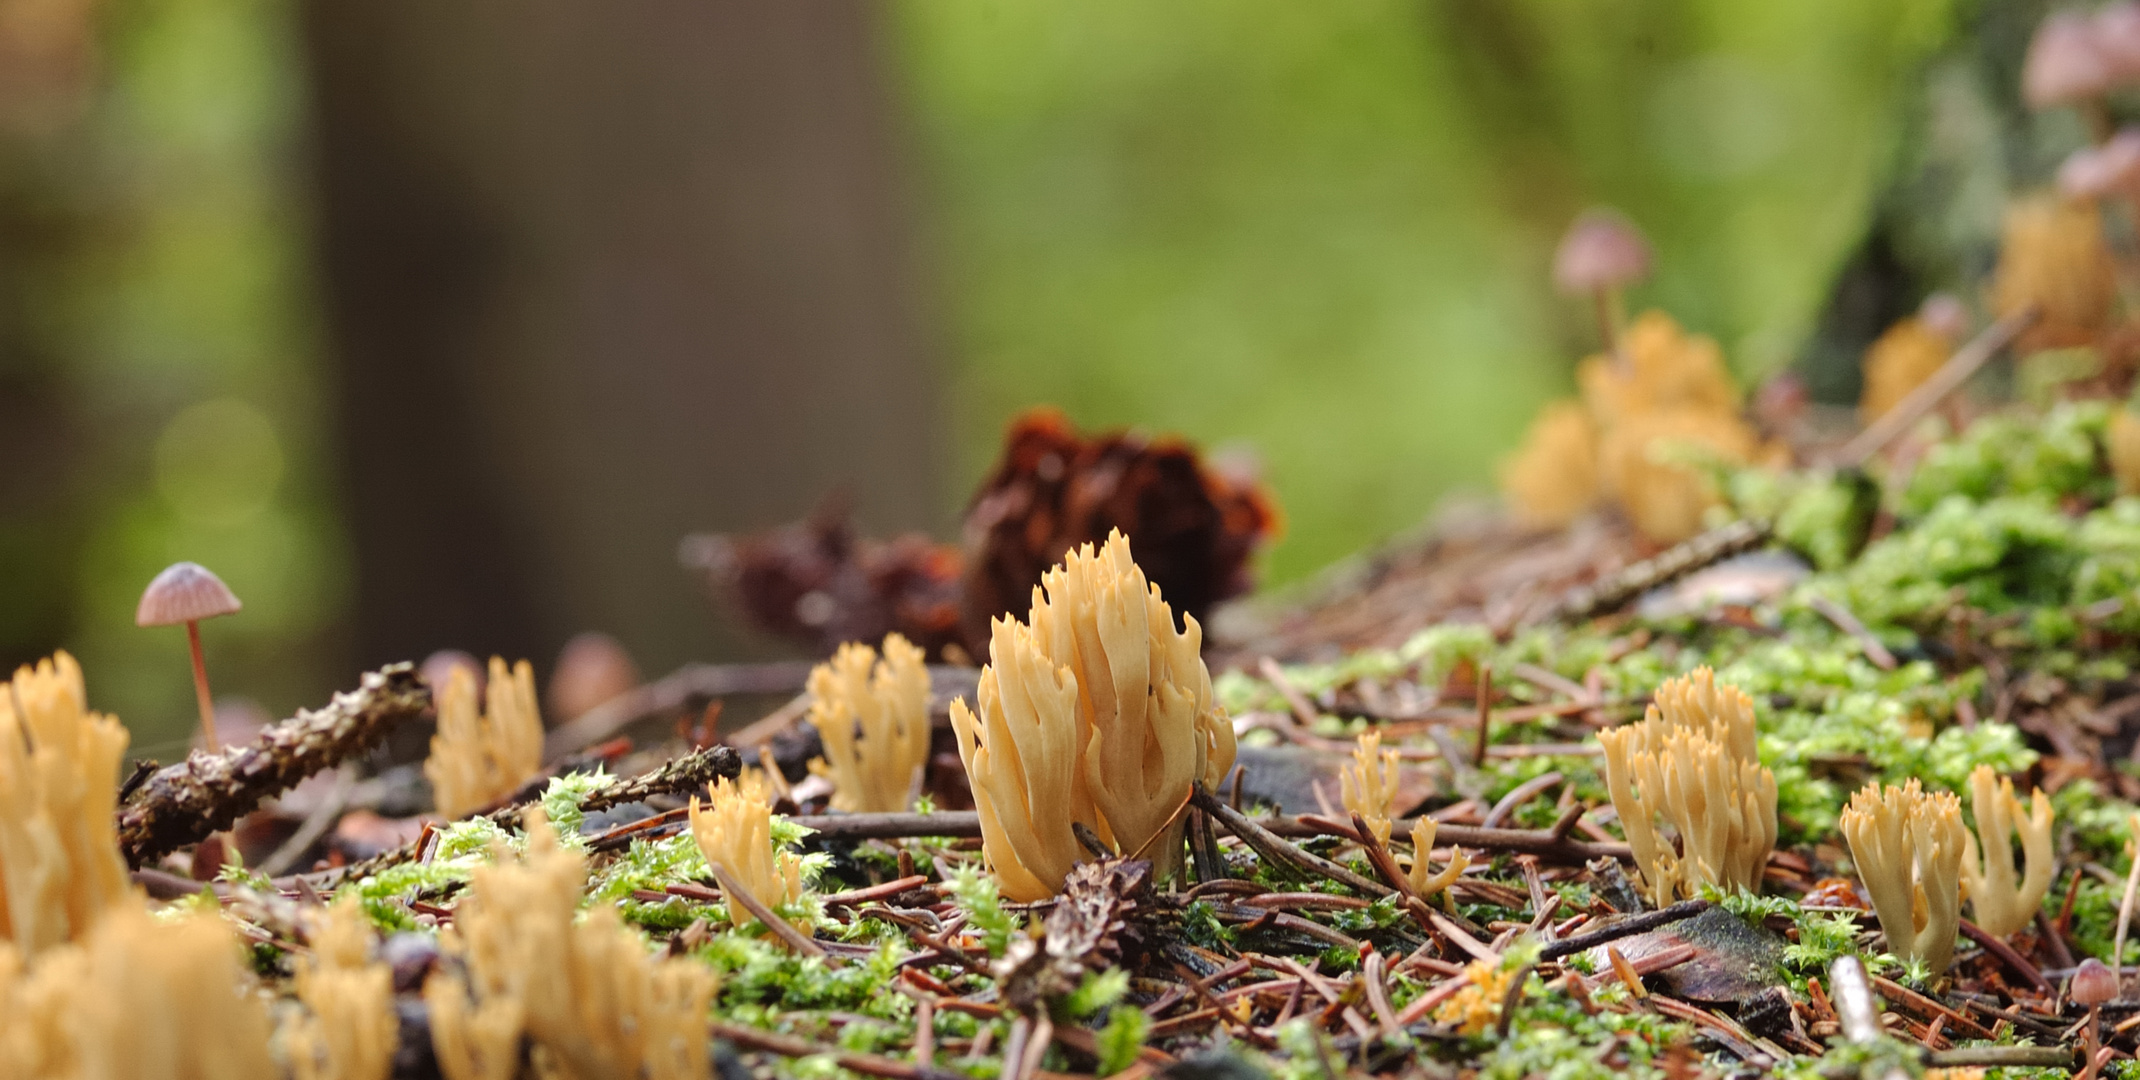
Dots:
(1477, 1006)
(1903, 357)
(479, 758)
(1691, 763)
(2052, 255)
(135, 1000)
(2003, 904)
(2123, 441)
(1095, 711)
(1908, 845)
(350, 1029)
(1424, 880)
(1662, 388)
(587, 993)
(873, 716)
(60, 869)
(734, 831)
(1369, 784)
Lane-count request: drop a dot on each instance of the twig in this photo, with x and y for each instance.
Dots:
(184, 803)
(1628, 927)
(689, 773)
(314, 826)
(2013, 960)
(1275, 849)
(797, 1047)
(1679, 560)
(2050, 1057)
(1875, 650)
(1853, 999)
(1949, 378)
(795, 939)
(1485, 686)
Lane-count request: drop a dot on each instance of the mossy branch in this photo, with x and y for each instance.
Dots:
(184, 803)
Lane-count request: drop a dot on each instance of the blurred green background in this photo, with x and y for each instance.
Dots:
(1320, 232)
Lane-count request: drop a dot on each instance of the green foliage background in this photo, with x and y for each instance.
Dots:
(1323, 230)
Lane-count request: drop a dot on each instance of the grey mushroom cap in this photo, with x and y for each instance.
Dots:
(1603, 250)
(2093, 983)
(185, 592)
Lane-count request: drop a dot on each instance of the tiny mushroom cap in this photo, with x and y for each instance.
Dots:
(1944, 315)
(2064, 64)
(2092, 172)
(185, 592)
(2117, 39)
(2093, 983)
(1602, 250)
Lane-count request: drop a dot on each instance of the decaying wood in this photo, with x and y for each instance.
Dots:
(1083, 930)
(185, 803)
(1682, 559)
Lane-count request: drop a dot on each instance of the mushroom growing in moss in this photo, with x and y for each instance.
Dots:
(1908, 844)
(1690, 763)
(873, 717)
(2001, 904)
(1602, 254)
(1094, 711)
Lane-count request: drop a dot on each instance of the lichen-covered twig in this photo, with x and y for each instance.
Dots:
(182, 804)
(1674, 562)
(679, 776)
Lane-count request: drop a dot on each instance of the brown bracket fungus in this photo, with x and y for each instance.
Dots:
(187, 593)
(478, 758)
(1908, 844)
(1096, 712)
(1691, 764)
(2001, 904)
(873, 717)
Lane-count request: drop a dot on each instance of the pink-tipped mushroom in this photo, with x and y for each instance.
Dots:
(187, 593)
(2066, 66)
(2117, 40)
(1602, 254)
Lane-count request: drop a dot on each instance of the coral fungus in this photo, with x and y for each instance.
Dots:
(1690, 762)
(1094, 711)
(479, 758)
(350, 1029)
(734, 830)
(592, 999)
(1369, 784)
(60, 868)
(873, 716)
(1908, 844)
(2052, 256)
(2002, 904)
(1553, 478)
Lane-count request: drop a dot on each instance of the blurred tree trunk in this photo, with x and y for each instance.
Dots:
(599, 275)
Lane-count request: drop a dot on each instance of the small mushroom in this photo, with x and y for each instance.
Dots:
(2095, 172)
(1602, 254)
(2093, 984)
(187, 593)
(2065, 66)
(2117, 40)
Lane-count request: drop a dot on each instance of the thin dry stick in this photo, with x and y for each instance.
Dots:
(1273, 848)
(314, 826)
(795, 939)
(1875, 650)
(793, 1046)
(673, 691)
(182, 804)
(1486, 699)
(1949, 378)
(2125, 906)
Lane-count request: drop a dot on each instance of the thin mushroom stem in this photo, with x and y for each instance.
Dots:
(1604, 303)
(200, 686)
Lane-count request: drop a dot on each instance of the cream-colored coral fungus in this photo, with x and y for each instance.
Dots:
(1094, 711)
(349, 1028)
(1369, 784)
(588, 993)
(2002, 904)
(2052, 257)
(1553, 477)
(1665, 368)
(2123, 443)
(1664, 497)
(1691, 764)
(136, 999)
(1908, 844)
(734, 830)
(479, 758)
(60, 868)
(873, 717)
(1424, 879)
